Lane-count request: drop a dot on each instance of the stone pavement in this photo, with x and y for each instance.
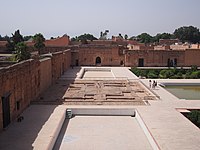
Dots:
(168, 126)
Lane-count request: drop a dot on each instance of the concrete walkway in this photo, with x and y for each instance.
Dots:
(168, 126)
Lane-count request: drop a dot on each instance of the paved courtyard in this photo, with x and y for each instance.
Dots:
(97, 88)
(168, 128)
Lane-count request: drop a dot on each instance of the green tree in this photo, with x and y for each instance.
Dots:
(167, 73)
(152, 75)
(188, 34)
(21, 52)
(145, 38)
(39, 40)
(85, 37)
(4, 38)
(26, 38)
(194, 117)
(15, 39)
(162, 36)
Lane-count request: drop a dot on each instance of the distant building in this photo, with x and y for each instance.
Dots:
(168, 41)
(121, 52)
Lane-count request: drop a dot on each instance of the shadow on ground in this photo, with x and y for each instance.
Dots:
(61, 135)
(54, 94)
(21, 135)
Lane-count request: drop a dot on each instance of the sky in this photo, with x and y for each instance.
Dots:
(55, 18)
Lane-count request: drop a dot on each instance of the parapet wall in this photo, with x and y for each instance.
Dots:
(22, 83)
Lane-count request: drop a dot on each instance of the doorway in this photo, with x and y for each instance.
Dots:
(77, 63)
(6, 110)
(98, 61)
(141, 62)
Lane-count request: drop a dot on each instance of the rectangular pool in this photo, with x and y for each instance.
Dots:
(188, 92)
(102, 132)
(97, 73)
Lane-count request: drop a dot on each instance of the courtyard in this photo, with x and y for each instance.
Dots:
(160, 124)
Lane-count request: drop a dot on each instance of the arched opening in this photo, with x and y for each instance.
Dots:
(98, 60)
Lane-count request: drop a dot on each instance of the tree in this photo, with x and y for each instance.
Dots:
(21, 52)
(120, 35)
(10, 45)
(26, 38)
(162, 36)
(103, 35)
(17, 37)
(84, 38)
(188, 34)
(126, 37)
(39, 40)
(145, 38)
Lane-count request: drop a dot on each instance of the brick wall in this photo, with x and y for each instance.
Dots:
(192, 57)
(45, 74)
(86, 55)
(154, 58)
(24, 81)
(61, 61)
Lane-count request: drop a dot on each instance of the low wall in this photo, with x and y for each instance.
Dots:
(103, 111)
(147, 132)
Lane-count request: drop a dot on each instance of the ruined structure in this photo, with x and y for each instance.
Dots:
(23, 82)
(107, 92)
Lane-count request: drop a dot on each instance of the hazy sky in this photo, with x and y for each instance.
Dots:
(75, 17)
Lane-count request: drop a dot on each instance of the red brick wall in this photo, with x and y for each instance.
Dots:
(22, 81)
(45, 74)
(61, 61)
(154, 58)
(27, 79)
(192, 57)
(86, 55)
